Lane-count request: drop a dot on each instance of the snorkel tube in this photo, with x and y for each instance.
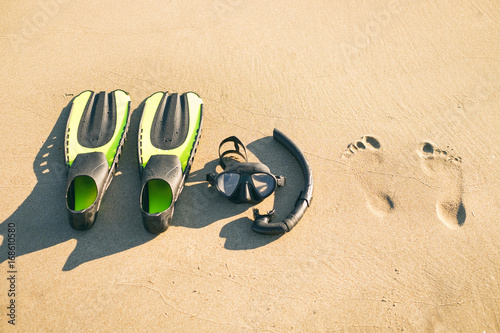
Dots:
(262, 223)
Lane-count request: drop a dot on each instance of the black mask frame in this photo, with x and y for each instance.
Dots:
(243, 182)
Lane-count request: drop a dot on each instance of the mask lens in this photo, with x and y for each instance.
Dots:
(263, 183)
(227, 182)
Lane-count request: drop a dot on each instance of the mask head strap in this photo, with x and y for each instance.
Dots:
(239, 149)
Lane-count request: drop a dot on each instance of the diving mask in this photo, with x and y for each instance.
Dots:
(243, 182)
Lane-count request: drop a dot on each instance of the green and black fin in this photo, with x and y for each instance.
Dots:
(169, 133)
(95, 133)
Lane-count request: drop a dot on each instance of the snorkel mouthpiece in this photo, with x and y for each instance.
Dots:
(262, 223)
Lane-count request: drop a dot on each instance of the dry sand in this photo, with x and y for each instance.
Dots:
(403, 232)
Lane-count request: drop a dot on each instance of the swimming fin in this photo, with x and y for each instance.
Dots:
(169, 133)
(95, 133)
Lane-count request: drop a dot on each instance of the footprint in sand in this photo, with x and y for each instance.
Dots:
(366, 161)
(446, 171)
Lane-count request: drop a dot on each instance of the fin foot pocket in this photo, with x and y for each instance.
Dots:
(156, 196)
(82, 193)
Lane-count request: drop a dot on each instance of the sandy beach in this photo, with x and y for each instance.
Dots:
(395, 104)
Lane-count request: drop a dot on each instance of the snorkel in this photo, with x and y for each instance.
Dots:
(262, 223)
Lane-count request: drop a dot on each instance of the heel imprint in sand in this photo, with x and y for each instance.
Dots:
(366, 161)
(446, 171)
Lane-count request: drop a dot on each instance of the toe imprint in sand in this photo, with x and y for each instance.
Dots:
(367, 164)
(446, 171)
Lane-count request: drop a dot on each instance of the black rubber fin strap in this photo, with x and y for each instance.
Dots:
(239, 149)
